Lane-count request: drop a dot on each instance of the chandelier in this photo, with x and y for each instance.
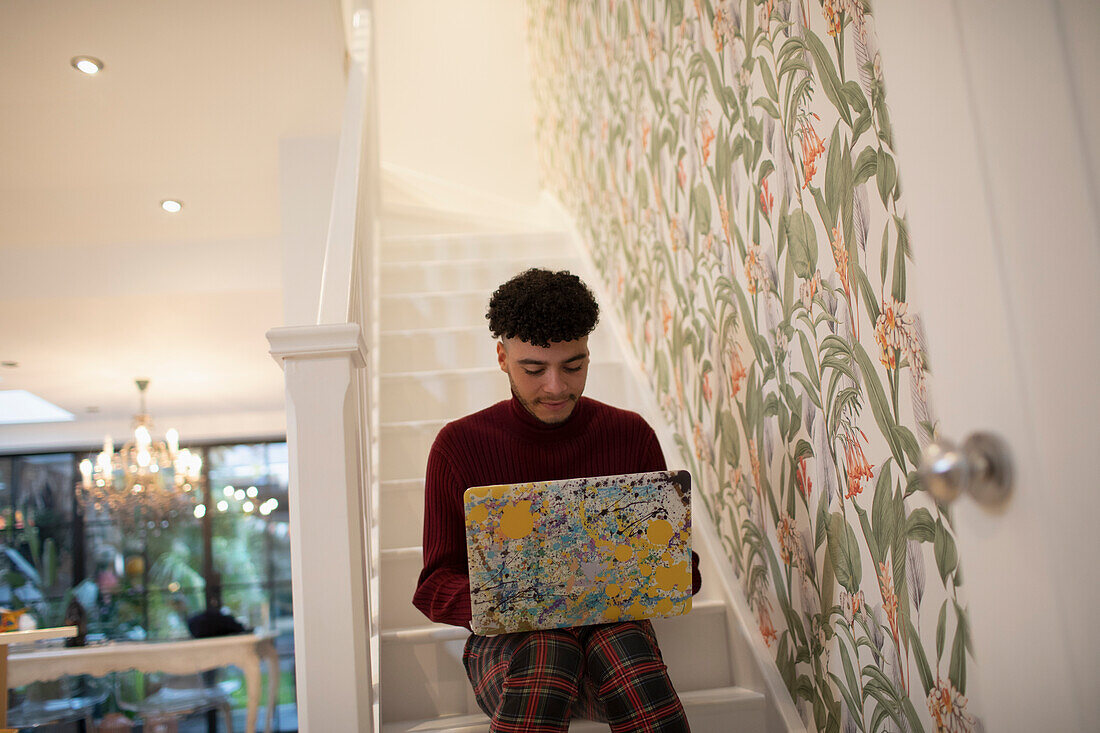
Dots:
(145, 481)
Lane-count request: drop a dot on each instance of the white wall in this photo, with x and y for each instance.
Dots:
(455, 94)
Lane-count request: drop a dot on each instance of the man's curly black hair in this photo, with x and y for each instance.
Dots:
(539, 306)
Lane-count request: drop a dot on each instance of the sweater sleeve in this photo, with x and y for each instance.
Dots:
(443, 590)
(654, 460)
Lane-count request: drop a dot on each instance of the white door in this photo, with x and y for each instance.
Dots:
(997, 116)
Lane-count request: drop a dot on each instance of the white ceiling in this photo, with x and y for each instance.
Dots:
(98, 285)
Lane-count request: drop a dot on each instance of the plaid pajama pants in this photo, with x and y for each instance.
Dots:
(536, 681)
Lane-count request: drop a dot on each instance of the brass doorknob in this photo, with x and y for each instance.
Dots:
(981, 466)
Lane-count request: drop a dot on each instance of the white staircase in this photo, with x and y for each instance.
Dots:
(438, 363)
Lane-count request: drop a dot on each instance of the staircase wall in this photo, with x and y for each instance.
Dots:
(731, 169)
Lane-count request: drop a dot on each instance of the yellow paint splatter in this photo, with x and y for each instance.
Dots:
(677, 576)
(664, 606)
(479, 491)
(636, 610)
(516, 520)
(645, 569)
(611, 613)
(623, 553)
(478, 514)
(613, 590)
(659, 532)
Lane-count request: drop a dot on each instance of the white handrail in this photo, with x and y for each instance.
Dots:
(352, 171)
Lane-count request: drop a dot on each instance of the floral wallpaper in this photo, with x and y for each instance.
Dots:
(731, 165)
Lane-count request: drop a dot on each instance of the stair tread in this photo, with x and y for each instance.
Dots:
(461, 293)
(435, 330)
(398, 239)
(478, 722)
(477, 370)
(463, 262)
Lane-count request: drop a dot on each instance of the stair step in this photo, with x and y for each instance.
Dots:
(430, 349)
(406, 218)
(429, 656)
(444, 309)
(446, 275)
(404, 448)
(400, 570)
(473, 246)
(708, 711)
(402, 509)
(467, 347)
(448, 395)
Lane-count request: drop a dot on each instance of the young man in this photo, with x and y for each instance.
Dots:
(537, 681)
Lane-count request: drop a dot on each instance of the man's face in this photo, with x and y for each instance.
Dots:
(547, 380)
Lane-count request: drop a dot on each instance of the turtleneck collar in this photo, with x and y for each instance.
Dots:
(535, 428)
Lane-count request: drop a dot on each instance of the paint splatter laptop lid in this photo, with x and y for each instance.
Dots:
(556, 554)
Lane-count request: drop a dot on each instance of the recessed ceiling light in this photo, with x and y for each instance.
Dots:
(171, 206)
(87, 64)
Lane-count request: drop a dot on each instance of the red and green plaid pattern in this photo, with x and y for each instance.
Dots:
(536, 681)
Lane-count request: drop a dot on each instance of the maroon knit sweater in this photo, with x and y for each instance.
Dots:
(505, 444)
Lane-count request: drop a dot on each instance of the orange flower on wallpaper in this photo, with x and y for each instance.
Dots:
(894, 331)
(851, 604)
(890, 604)
(706, 132)
(889, 597)
(840, 258)
(856, 465)
(765, 16)
(788, 539)
(767, 201)
(754, 461)
(666, 316)
(767, 630)
(802, 478)
(703, 451)
(724, 212)
(807, 289)
(948, 708)
(738, 373)
(708, 394)
(755, 272)
(812, 149)
(832, 16)
(725, 25)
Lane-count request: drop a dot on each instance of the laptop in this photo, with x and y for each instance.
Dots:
(557, 554)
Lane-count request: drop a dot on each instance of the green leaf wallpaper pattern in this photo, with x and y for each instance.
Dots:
(731, 166)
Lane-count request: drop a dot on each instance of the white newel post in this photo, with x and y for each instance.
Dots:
(329, 559)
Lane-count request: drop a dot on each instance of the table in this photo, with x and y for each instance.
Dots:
(22, 637)
(186, 656)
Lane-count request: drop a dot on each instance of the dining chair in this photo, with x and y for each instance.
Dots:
(158, 698)
(63, 700)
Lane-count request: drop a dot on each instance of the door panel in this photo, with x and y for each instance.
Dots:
(1001, 189)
